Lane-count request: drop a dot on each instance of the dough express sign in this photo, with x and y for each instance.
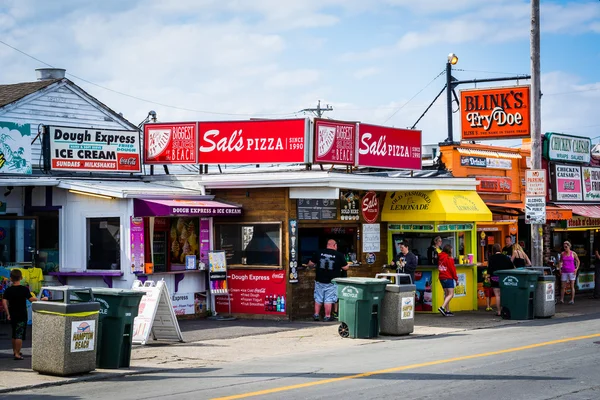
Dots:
(94, 150)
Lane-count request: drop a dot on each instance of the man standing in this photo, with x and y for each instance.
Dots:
(407, 261)
(328, 263)
(508, 249)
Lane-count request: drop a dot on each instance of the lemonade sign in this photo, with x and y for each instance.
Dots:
(461, 287)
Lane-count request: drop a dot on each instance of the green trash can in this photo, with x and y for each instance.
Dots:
(118, 308)
(517, 292)
(359, 307)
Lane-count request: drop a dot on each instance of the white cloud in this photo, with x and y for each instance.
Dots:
(366, 72)
(221, 59)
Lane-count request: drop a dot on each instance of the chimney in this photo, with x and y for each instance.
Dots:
(44, 74)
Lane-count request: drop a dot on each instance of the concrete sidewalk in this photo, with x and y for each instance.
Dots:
(210, 342)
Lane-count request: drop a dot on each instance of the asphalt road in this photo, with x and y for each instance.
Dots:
(541, 359)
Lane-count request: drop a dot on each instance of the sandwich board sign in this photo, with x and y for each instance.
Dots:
(155, 314)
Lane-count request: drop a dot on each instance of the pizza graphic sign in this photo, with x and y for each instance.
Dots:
(335, 142)
(173, 143)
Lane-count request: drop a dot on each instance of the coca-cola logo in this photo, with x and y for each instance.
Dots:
(277, 277)
(128, 161)
(370, 207)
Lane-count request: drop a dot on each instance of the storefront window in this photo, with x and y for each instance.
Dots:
(48, 255)
(104, 243)
(18, 241)
(250, 243)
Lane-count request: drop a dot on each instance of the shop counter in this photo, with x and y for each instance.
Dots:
(430, 295)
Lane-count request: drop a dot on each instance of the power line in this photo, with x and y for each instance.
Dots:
(409, 100)
(142, 99)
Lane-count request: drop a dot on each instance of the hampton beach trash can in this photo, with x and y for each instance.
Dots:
(360, 305)
(544, 304)
(517, 292)
(398, 306)
(118, 308)
(64, 333)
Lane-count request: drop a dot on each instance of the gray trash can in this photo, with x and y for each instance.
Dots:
(544, 304)
(398, 306)
(64, 333)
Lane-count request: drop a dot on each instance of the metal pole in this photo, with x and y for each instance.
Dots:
(537, 251)
(449, 99)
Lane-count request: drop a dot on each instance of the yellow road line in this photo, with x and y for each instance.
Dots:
(403, 368)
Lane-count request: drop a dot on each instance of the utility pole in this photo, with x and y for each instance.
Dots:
(319, 111)
(537, 244)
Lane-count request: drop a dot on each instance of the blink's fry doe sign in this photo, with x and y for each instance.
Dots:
(497, 113)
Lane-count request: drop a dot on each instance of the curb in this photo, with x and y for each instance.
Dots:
(83, 378)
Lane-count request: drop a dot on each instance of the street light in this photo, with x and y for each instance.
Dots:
(452, 60)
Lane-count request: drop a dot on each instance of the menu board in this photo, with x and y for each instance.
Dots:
(317, 209)
(255, 292)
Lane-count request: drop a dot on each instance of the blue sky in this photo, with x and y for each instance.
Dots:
(377, 61)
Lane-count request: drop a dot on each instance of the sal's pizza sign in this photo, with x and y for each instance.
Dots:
(497, 113)
(384, 147)
(86, 149)
(253, 142)
(174, 143)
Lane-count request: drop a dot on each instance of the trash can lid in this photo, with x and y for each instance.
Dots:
(116, 292)
(361, 281)
(401, 288)
(518, 271)
(546, 278)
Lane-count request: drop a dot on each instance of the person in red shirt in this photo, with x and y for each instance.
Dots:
(448, 278)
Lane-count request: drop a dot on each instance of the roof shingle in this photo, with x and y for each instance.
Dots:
(11, 93)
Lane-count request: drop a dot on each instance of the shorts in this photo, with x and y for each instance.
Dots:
(325, 293)
(447, 283)
(568, 276)
(489, 292)
(19, 329)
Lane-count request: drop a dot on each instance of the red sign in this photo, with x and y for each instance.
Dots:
(170, 143)
(334, 142)
(497, 113)
(254, 292)
(384, 147)
(370, 207)
(253, 142)
(493, 184)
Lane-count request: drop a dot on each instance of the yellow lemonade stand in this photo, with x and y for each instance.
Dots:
(417, 217)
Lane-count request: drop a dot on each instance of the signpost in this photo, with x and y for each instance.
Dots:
(535, 196)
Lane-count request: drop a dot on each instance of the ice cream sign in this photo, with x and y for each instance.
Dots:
(558, 147)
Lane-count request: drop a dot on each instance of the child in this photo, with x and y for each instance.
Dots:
(15, 303)
(487, 290)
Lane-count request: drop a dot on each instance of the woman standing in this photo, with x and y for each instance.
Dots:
(497, 261)
(434, 250)
(568, 265)
(519, 258)
(448, 279)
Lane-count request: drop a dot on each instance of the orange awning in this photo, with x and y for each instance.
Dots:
(553, 213)
(584, 211)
